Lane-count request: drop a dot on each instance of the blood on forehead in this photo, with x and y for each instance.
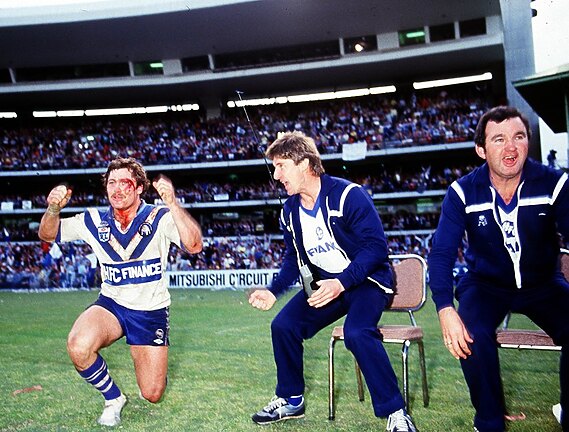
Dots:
(124, 183)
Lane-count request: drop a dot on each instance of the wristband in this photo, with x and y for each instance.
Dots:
(53, 209)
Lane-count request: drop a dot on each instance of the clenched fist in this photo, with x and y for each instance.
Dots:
(165, 189)
(59, 197)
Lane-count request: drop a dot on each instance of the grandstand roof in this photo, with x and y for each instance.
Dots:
(548, 92)
(143, 30)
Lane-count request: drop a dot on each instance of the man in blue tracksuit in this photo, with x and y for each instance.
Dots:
(333, 234)
(511, 209)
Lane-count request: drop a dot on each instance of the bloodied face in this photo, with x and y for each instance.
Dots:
(122, 190)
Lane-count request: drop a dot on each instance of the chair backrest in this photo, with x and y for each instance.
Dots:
(564, 267)
(564, 262)
(411, 279)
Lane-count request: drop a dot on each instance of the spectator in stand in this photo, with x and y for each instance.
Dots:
(92, 272)
(552, 159)
(83, 265)
(460, 267)
(70, 273)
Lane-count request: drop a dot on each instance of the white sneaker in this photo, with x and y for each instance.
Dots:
(399, 421)
(112, 412)
(557, 412)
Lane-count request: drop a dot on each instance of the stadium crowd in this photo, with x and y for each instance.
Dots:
(381, 121)
(247, 225)
(35, 265)
(385, 180)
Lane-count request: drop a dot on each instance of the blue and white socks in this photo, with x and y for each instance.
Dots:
(98, 376)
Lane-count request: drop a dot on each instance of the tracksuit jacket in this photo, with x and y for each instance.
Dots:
(353, 222)
(470, 204)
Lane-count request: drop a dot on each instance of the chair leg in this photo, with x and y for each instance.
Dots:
(404, 357)
(360, 381)
(331, 408)
(423, 373)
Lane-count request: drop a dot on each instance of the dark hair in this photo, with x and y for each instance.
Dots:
(498, 115)
(133, 166)
(297, 147)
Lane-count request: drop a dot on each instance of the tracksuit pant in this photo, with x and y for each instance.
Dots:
(362, 306)
(482, 307)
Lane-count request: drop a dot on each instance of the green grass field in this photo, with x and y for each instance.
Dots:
(221, 370)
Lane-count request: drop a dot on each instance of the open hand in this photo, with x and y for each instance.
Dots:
(262, 299)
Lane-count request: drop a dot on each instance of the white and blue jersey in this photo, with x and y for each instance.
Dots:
(319, 244)
(133, 262)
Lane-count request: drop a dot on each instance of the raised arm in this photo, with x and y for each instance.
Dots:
(56, 200)
(188, 228)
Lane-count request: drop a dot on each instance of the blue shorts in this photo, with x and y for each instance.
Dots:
(140, 327)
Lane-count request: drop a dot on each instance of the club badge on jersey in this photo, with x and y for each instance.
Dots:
(104, 231)
(145, 229)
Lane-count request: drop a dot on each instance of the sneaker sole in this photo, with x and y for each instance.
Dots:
(279, 420)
